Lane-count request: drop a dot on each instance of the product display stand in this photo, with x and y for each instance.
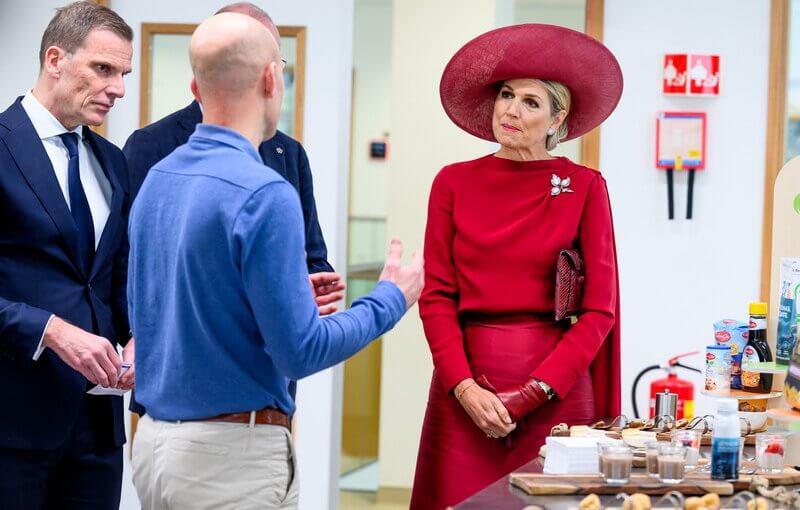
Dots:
(785, 226)
(743, 395)
(785, 243)
(769, 367)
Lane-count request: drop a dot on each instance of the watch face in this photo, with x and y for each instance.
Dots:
(547, 389)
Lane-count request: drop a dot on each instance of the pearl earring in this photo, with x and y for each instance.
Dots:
(551, 132)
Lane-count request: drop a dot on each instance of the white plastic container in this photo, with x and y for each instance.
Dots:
(725, 441)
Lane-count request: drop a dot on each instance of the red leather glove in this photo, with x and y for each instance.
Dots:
(520, 401)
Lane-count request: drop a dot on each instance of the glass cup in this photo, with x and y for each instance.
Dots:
(691, 439)
(671, 463)
(601, 446)
(770, 452)
(615, 463)
(741, 454)
(651, 458)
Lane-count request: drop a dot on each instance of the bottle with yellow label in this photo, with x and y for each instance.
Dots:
(757, 351)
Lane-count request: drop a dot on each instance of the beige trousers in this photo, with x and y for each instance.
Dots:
(205, 465)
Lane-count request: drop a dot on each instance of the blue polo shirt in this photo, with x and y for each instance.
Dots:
(218, 292)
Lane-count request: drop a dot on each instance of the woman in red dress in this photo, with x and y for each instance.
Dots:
(505, 371)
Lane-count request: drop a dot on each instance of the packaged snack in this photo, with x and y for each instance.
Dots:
(733, 334)
(718, 369)
(753, 406)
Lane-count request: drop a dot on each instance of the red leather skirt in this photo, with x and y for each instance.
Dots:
(455, 458)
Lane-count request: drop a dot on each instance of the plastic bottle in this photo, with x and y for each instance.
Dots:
(757, 351)
(725, 441)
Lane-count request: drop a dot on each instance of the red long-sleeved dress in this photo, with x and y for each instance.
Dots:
(495, 228)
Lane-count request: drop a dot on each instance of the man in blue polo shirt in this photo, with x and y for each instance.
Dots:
(219, 298)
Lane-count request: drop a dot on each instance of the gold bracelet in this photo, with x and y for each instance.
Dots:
(468, 386)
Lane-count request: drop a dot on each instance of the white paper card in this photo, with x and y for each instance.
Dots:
(100, 390)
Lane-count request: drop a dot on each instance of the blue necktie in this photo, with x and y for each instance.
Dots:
(78, 202)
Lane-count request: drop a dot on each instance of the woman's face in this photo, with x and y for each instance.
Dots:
(522, 115)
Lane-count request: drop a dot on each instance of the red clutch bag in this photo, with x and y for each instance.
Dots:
(569, 284)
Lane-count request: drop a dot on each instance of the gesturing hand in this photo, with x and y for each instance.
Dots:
(327, 289)
(410, 278)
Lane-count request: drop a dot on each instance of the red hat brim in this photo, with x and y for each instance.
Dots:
(547, 52)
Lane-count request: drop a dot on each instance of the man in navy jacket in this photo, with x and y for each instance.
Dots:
(64, 201)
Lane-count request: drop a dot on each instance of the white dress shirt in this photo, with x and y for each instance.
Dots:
(95, 183)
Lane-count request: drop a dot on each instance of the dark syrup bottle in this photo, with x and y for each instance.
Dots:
(757, 351)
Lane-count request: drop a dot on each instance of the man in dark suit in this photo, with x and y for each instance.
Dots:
(148, 145)
(64, 200)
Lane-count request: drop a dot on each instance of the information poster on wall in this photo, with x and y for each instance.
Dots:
(689, 74)
(681, 140)
(680, 145)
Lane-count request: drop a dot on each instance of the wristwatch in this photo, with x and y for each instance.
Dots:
(547, 389)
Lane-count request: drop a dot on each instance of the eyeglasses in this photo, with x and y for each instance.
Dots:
(283, 63)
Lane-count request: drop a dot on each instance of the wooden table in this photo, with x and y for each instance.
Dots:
(501, 495)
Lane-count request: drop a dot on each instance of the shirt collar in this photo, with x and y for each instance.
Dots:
(226, 136)
(45, 124)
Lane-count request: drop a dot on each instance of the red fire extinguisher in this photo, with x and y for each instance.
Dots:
(681, 387)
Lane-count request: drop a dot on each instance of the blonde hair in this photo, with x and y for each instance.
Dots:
(560, 100)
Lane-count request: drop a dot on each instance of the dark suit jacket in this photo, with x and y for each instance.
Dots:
(40, 275)
(149, 145)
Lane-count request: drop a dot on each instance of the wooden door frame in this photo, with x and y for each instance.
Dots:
(151, 29)
(590, 142)
(776, 128)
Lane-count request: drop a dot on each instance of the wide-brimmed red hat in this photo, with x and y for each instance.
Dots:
(547, 52)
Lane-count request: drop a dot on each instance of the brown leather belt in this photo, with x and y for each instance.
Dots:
(266, 416)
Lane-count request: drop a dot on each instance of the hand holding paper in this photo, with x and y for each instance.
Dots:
(100, 390)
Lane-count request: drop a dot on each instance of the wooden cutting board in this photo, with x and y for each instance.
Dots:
(749, 440)
(539, 484)
(789, 476)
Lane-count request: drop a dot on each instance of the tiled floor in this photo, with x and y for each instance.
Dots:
(369, 501)
(363, 479)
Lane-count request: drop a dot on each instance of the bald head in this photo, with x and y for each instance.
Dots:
(229, 53)
(255, 12)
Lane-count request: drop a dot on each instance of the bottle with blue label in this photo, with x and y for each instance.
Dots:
(725, 441)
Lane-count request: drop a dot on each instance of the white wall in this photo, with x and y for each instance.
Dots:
(326, 137)
(424, 141)
(680, 276)
(170, 73)
(21, 28)
(372, 92)
(565, 13)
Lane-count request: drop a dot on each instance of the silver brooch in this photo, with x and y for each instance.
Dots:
(559, 185)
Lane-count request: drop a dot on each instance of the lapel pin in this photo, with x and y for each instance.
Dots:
(559, 185)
